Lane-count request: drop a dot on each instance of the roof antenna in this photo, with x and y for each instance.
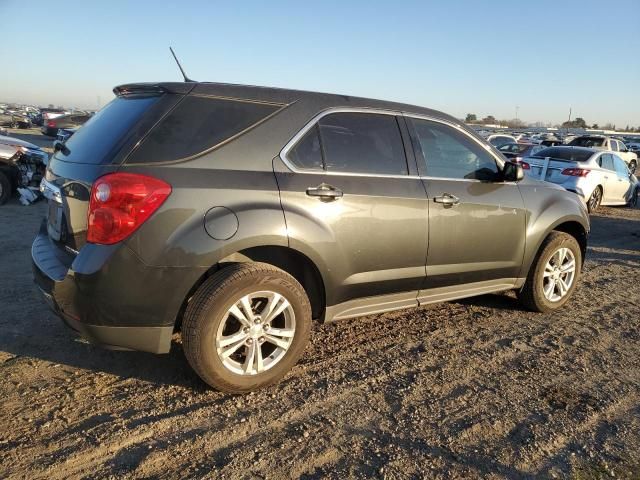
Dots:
(186, 79)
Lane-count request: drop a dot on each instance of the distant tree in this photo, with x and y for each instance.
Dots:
(609, 126)
(50, 105)
(489, 120)
(471, 117)
(595, 126)
(577, 123)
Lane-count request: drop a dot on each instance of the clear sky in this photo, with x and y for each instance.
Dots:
(484, 57)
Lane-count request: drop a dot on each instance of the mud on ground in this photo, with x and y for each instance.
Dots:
(470, 389)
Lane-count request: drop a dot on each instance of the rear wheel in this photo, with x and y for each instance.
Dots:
(595, 200)
(5, 188)
(246, 327)
(553, 275)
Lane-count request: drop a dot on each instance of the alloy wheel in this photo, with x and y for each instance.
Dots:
(559, 274)
(256, 333)
(594, 201)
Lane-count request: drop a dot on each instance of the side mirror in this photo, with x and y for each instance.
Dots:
(59, 146)
(512, 172)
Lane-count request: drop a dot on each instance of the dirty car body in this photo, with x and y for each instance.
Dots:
(245, 181)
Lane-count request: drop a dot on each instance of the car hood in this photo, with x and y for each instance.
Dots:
(17, 142)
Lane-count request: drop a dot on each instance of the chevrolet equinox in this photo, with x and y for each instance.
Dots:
(238, 214)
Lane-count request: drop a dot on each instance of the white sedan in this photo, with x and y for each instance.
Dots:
(600, 178)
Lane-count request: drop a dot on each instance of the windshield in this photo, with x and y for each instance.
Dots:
(587, 142)
(103, 132)
(564, 154)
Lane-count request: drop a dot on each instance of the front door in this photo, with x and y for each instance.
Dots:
(476, 220)
(355, 205)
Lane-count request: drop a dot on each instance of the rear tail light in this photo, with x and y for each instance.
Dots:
(525, 166)
(120, 203)
(575, 172)
(51, 124)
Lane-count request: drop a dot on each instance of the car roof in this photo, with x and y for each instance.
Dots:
(281, 96)
(17, 142)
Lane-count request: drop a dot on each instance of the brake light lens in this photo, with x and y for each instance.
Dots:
(51, 124)
(120, 203)
(525, 166)
(576, 172)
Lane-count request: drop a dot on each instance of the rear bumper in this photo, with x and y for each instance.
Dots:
(108, 296)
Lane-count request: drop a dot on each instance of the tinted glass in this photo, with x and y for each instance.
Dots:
(513, 148)
(587, 142)
(362, 143)
(93, 142)
(620, 166)
(614, 145)
(447, 153)
(565, 154)
(198, 124)
(307, 153)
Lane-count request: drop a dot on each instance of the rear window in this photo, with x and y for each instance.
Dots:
(565, 154)
(199, 124)
(102, 133)
(587, 142)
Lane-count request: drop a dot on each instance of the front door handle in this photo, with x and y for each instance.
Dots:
(325, 192)
(447, 199)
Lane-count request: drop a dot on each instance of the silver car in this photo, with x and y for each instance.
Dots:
(599, 177)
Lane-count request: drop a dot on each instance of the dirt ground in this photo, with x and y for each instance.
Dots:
(470, 389)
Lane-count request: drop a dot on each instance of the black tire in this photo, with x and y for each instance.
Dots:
(633, 201)
(207, 310)
(531, 295)
(595, 199)
(5, 188)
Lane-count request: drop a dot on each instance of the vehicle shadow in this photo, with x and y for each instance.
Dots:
(53, 342)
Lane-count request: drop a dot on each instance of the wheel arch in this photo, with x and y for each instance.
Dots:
(292, 261)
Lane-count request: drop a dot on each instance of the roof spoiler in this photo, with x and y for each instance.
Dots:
(153, 88)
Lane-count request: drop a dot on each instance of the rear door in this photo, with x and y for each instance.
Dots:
(610, 178)
(622, 179)
(476, 221)
(353, 201)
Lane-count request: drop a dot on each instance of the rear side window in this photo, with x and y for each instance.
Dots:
(199, 124)
(353, 142)
(565, 154)
(606, 161)
(587, 142)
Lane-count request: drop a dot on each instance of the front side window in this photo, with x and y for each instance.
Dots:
(352, 142)
(448, 153)
(620, 166)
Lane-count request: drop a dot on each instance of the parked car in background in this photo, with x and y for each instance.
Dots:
(73, 120)
(599, 177)
(498, 139)
(22, 164)
(516, 151)
(633, 144)
(65, 133)
(550, 142)
(212, 206)
(602, 142)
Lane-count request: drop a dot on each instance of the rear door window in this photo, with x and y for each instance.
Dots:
(366, 143)
(620, 167)
(199, 124)
(307, 153)
(606, 162)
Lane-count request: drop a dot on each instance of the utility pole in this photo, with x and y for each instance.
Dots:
(517, 108)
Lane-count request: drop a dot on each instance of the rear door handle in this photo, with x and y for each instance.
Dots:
(447, 199)
(324, 191)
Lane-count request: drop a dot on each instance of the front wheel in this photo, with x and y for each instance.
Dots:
(553, 275)
(633, 201)
(246, 326)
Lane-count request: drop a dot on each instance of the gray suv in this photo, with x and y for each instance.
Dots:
(238, 214)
